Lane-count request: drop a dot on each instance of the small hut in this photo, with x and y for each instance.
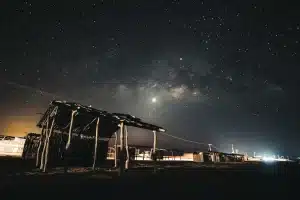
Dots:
(73, 134)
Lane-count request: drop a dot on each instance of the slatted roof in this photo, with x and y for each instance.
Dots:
(85, 119)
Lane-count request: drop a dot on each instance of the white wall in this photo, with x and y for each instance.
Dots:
(12, 147)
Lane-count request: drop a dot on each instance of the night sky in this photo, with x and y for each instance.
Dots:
(222, 72)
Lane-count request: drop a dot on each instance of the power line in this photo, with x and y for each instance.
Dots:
(186, 140)
(60, 97)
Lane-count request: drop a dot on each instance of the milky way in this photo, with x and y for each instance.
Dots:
(220, 71)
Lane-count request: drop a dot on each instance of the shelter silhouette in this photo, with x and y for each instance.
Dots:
(74, 134)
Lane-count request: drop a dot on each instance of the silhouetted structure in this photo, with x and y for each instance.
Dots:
(78, 135)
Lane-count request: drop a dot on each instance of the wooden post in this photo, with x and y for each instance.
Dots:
(26, 146)
(70, 129)
(96, 143)
(209, 147)
(62, 147)
(116, 149)
(121, 154)
(127, 149)
(39, 147)
(47, 144)
(44, 144)
(154, 150)
(154, 141)
(68, 142)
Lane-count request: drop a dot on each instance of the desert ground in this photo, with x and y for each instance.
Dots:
(20, 179)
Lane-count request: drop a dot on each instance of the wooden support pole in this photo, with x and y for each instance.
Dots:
(70, 129)
(48, 144)
(127, 148)
(26, 149)
(96, 143)
(209, 147)
(65, 157)
(154, 150)
(44, 144)
(116, 150)
(61, 147)
(121, 154)
(122, 135)
(154, 141)
(39, 147)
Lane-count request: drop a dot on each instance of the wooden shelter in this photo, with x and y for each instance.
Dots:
(69, 129)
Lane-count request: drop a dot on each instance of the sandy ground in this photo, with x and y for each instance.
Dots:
(231, 182)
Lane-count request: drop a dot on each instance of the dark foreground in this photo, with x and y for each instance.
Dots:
(233, 182)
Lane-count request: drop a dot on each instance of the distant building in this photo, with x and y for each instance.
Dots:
(145, 153)
(217, 157)
(139, 152)
(11, 146)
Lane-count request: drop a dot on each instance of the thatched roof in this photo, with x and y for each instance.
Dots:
(86, 117)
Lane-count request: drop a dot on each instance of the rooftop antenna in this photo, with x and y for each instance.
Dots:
(209, 147)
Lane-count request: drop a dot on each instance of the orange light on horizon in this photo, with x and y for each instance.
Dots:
(19, 126)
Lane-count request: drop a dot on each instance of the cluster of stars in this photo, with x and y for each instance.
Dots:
(216, 31)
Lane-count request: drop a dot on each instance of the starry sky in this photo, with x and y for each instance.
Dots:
(221, 71)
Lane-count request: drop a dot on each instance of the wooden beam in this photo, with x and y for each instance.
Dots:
(48, 144)
(70, 129)
(39, 147)
(126, 147)
(65, 154)
(44, 144)
(121, 154)
(116, 149)
(154, 141)
(154, 149)
(96, 143)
